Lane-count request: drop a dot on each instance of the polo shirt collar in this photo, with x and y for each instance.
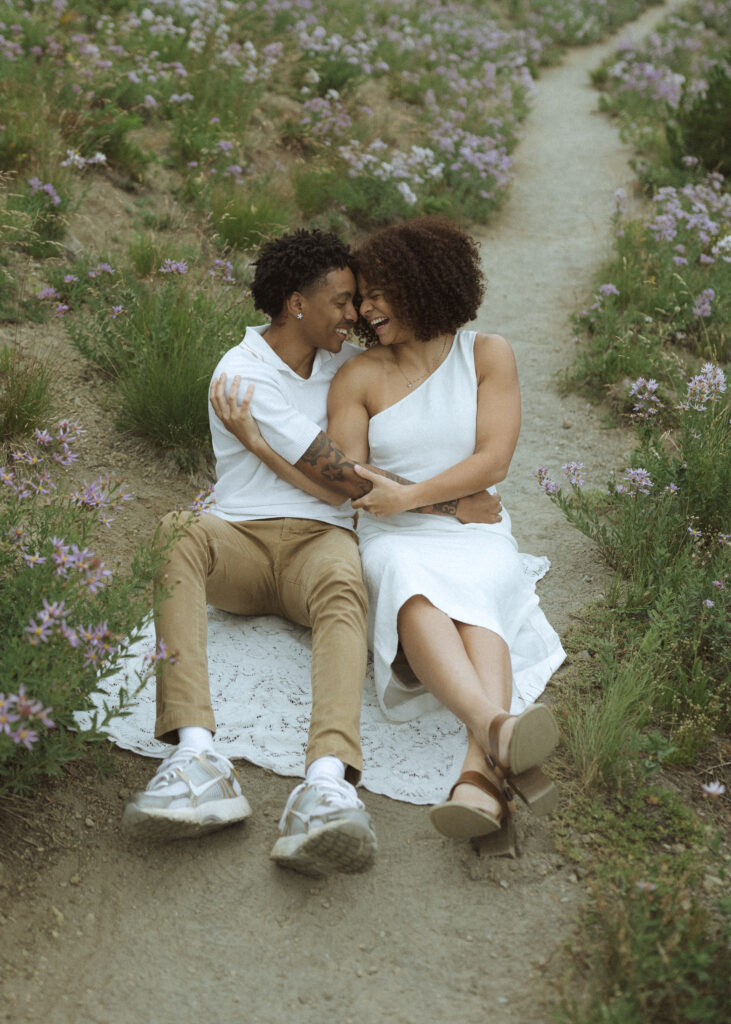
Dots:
(255, 342)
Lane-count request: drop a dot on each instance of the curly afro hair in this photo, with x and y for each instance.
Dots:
(293, 263)
(429, 271)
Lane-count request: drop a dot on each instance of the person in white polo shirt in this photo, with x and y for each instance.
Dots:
(274, 546)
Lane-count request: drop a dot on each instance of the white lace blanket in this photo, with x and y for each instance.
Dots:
(260, 689)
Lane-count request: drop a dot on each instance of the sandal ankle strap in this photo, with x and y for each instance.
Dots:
(487, 786)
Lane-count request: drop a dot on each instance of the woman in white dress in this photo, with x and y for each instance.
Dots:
(439, 405)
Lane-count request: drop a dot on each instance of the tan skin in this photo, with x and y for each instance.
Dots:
(465, 666)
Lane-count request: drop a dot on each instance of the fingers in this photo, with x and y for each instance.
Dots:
(367, 474)
(228, 403)
(217, 390)
(248, 395)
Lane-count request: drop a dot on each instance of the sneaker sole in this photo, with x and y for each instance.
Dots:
(183, 823)
(341, 846)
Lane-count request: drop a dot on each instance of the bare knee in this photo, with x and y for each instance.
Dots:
(415, 605)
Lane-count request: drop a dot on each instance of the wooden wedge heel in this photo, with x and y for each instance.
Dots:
(534, 737)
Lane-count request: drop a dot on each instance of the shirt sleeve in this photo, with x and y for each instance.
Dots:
(288, 431)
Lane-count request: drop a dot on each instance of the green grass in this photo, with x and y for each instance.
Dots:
(25, 399)
(245, 216)
(160, 351)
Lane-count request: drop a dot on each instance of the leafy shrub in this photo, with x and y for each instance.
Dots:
(148, 253)
(40, 216)
(159, 342)
(670, 282)
(661, 956)
(65, 623)
(102, 127)
(703, 126)
(670, 93)
(662, 528)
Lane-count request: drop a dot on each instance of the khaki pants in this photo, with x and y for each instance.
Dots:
(303, 570)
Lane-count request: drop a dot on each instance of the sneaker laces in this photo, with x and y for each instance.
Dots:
(179, 760)
(333, 793)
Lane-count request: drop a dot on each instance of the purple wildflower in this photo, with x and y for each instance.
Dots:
(48, 190)
(637, 481)
(39, 632)
(16, 534)
(702, 304)
(70, 635)
(26, 737)
(202, 502)
(608, 289)
(707, 386)
(55, 610)
(158, 655)
(223, 270)
(174, 267)
(545, 482)
(572, 472)
(7, 718)
(34, 559)
(647, 403)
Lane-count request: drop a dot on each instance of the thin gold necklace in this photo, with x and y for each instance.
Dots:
(417, 380)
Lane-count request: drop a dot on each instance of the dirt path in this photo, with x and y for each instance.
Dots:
(209, 930)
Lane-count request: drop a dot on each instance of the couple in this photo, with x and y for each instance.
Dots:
(436, 410)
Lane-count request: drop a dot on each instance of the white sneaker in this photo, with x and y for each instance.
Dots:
(190, 794)
(324, 828)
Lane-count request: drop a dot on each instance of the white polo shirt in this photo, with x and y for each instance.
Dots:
(290, 411)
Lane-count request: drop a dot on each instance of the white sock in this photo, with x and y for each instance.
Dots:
(197, 737)
(326, 767)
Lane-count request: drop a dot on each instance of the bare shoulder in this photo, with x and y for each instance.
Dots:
(494, 355)
(357, 373)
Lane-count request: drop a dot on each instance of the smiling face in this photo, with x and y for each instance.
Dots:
(328, 313)
(378, 312)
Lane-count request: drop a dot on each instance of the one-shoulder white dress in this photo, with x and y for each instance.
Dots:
(473, 572)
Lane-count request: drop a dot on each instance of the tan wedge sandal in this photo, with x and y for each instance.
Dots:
(459, 820)
(534, 736)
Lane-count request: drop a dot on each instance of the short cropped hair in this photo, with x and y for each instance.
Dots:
(429, 271)
(292, 263)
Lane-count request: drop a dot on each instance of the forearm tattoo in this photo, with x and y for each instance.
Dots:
(333, 465)
(440, 508)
